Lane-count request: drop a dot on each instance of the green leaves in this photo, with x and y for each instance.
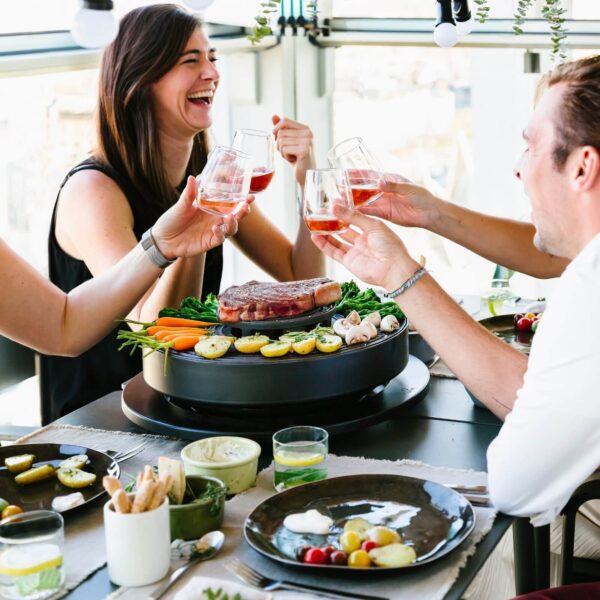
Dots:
(483, 10)
(365, 302)
(262, 28)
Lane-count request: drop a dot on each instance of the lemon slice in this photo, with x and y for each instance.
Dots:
(16, 561)
(298, 459)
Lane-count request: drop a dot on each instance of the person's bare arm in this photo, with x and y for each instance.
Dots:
(502, 241)
(38, 314)
(260, 240)
(491, 369)
(95, 224)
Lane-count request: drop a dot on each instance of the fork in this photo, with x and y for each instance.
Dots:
(124, 455)
(252, 577)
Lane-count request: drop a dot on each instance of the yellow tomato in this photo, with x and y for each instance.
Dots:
(350, 541)
(383, 535)
(10, 510)
(359, 559)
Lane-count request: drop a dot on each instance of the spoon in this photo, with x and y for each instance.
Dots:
(213, 541)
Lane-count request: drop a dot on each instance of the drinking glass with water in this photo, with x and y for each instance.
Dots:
(300, 456)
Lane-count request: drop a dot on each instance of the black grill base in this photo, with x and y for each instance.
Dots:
(151, 410)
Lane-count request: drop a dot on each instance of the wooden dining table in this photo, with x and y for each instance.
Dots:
(444, 429)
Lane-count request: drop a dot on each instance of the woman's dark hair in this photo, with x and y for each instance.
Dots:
(150, 41)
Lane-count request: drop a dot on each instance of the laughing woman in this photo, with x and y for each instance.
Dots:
(158, 80)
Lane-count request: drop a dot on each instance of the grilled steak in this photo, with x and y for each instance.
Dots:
(257, 301)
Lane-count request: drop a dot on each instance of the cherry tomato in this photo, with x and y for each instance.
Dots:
(524, 324)
(529, 315)
(359, 559)
(315, 556)
(10, 510)
(518, 316)
(368, 545)
(329, 550)
(301, 552)
(534, 326)
(338, 558)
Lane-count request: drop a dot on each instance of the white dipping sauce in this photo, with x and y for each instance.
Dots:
(311, 521)
(62, 503)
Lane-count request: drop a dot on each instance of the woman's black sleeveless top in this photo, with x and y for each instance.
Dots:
(69, 383)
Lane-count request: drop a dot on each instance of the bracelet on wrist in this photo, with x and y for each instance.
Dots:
(152, 251)
(407, 284)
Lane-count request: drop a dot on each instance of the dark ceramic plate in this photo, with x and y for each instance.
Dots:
(430, 517)
(503, 326)
(39, 495)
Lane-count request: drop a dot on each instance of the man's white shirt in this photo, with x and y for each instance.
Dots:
(550, 442)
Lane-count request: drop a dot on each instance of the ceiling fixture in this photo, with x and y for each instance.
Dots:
(463, 17)
(454, 20)
(444, 33)
(198, 5)
(95, 24)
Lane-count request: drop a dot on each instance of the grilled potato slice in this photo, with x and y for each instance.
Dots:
(329, 343)
(35, 475)
(383, 536)
(74, 462)
(75, 478)
(212, 347)
(251, 344)
(359, 526)
(276, 349)
(19, 463)
(304, 346)
(293, 336)
(393, 555)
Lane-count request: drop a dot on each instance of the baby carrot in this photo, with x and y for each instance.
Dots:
(173, 336)
(178, 322)
(153, 329)
(161, 335)
(184, 342)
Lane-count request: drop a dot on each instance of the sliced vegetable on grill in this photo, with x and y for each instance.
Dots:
(251, 344)
(212, 347)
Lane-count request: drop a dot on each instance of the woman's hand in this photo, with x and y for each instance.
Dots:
(404, 203)
(294, 142)
(370, 250)
(185, 230)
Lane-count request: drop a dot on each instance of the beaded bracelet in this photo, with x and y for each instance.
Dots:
(407, 284)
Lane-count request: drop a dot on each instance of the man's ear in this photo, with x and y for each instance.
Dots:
(587, 168)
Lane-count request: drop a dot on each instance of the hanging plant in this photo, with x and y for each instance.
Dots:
(552, 11)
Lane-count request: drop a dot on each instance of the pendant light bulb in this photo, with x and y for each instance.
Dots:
(444, 33)
(95, 24)
(463, 17)
(198, 5)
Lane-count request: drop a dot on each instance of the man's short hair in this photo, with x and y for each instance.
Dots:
(577, 123)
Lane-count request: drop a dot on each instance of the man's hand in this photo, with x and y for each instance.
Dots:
(404, 203)
(370, 250)
(185, 230)
(294, 142)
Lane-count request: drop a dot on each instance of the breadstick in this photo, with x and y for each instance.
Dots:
(111, 484)
(121, 501)
(139, 480)
(159, 495)
(148, 473)
(143, 496)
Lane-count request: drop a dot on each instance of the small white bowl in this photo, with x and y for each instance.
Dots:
(238, 473)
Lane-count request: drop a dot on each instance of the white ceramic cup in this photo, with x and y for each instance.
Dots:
(138, 546)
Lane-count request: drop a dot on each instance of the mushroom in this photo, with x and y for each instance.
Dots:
(353, 318)
(374, 317)
(370, 327)
(360, 333)
(341, 326)
(389, 323)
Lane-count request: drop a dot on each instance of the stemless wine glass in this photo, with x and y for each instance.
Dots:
(324, 188)
(225, 181)
(259, 145)
(362, 169)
